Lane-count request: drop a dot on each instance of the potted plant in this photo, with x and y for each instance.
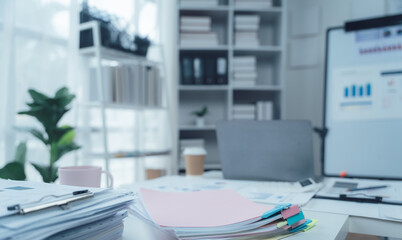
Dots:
(200, 114)
(59, 140)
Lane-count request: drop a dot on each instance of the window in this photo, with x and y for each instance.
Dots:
(40, 59)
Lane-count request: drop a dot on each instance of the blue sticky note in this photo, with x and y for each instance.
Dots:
(294, 219)
(299, 228)
(276, 209)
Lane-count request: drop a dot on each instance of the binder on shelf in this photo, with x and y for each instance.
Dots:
(221, 71)
(198, 70)
(186, 70)
(210, 71)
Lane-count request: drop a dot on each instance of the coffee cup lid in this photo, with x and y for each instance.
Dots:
(194, 151)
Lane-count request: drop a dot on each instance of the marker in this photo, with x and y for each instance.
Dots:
(366, 188)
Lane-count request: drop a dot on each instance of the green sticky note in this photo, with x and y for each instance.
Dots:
(281, 224)
(310, 225)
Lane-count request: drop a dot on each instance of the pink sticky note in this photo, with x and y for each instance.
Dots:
(291, 211)
(210, 208)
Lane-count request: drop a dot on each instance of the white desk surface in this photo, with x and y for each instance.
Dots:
(335, 220)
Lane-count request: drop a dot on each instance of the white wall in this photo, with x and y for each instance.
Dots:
(305, 79)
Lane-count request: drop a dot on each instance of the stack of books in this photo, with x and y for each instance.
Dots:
(246, 30)
(196, 30)
(262, 110)
(244, 112)
(128, 84)
(218, 214)
(244, 71)
(265, 110)
(253, 3)
(198, 3)
(55, 211)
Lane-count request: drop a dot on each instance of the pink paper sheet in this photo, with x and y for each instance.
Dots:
(210, 208)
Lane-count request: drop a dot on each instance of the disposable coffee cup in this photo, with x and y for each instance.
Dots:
(195, 159)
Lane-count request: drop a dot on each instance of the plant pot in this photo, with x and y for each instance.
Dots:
(200, 122)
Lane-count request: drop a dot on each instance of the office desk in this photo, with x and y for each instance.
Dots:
(335, 220)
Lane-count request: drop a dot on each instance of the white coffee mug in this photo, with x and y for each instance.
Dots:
(83, 176)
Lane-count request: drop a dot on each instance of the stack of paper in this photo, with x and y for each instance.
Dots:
(244, 111)
(244, 71)
(217, 214)
(99, 217)
(253, 3)
(199, 3)
(246, 30)
(196, 30)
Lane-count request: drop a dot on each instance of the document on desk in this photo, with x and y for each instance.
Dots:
(355, 204)
(214, 208)
(20, 192)
(190, 184)
(388, 192)
(50, 219)
(213, 214)
(271, 197)
(252, 190)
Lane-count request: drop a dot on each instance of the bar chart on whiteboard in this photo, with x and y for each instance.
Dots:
(369, 93)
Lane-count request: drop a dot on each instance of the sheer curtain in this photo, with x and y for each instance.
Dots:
(39, 49)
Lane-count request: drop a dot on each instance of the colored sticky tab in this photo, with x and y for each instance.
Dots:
(294, 219)
(295, 225)
(301, 227)
(291, 211)
(310, 225)
(276, 209)
(281, 224)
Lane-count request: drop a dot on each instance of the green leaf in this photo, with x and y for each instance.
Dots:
(61, 92)
(201, 112)
(20, 153)
(57, 133)
(14, 171)
(64, 97)
(67, 138)
(48, 173)
(39, 135)
(37, 96)
(63, 102)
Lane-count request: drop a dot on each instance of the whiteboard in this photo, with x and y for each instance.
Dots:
(363, 103)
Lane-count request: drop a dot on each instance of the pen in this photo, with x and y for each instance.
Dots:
(366, 188)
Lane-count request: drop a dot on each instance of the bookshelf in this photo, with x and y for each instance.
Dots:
(119, 82)
(223, 99)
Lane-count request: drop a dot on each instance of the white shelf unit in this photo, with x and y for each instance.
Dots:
(98, 55)
(270, 55)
